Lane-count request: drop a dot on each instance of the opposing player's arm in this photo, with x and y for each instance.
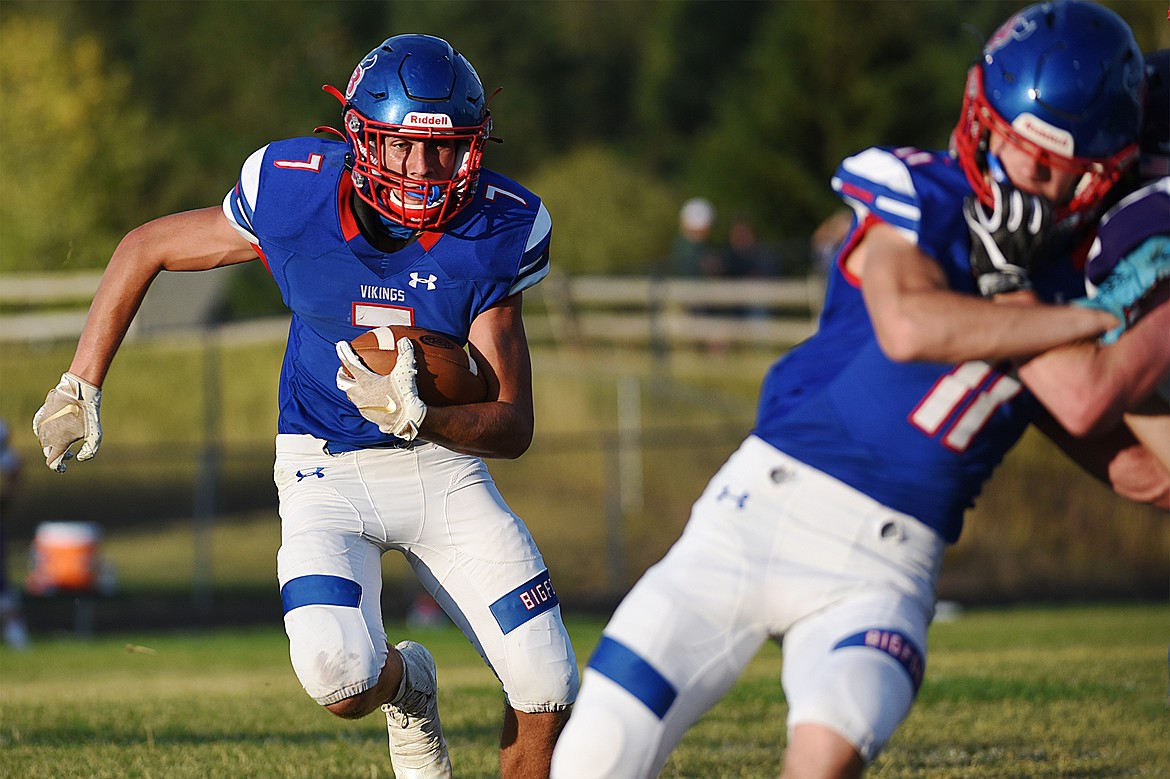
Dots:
(1087, 387)
(1150, 424)
(1116, 458)
(502, 426)
(917, 317)
(189, 241)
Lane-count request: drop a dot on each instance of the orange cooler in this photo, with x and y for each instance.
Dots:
(65, 557)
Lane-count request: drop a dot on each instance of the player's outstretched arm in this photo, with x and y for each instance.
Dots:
(1088, 386)
(502, 426)
(195, 240)
(188, 241)
(917, 317)
(1150, 424)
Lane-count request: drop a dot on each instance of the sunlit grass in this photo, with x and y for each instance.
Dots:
(1009, 693)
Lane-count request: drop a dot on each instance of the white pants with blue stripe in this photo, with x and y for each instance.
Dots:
(442, 511)
(774, 549)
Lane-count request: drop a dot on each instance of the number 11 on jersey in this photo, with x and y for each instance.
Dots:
(963, 386)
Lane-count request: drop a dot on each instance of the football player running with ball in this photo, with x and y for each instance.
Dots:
(826, 529)
(395, 223)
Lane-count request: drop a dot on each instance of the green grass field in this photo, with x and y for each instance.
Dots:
(1070, 692)
(1064, 692)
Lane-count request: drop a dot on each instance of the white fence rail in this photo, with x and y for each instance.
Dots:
(565, 310)
(642, 310)
(50, 306)
(47, 288)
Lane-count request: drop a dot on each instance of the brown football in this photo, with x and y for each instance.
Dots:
(447, 376)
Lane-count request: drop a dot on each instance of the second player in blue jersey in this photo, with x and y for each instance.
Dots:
(826, 529)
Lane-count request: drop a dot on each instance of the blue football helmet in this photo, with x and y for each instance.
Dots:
(414, 87)
(1063, 82)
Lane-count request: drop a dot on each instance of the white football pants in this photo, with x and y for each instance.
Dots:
(442, 511)
(773, 549)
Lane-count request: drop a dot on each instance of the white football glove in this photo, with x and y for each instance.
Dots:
(391, 402)
(70, 414)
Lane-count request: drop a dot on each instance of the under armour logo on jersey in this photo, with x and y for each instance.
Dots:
(430, 280)
(738, 499)
(318, 472)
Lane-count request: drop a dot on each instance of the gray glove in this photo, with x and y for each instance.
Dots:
(1008, 242)
(391, 402)
(70, 414)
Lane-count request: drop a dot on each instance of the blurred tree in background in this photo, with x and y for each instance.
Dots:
(71, 138)
(112, 113)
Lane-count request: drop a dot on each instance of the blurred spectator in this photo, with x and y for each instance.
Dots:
(692, 254)
(11, 618)
(745, 255)
(745, 258)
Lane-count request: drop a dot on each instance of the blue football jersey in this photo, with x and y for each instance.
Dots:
(923, 437)
(292, 202)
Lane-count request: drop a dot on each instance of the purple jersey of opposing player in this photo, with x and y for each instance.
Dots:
(919, 437)
(292, 202)
(1141, 215)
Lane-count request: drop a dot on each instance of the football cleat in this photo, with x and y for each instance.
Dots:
(417, 747)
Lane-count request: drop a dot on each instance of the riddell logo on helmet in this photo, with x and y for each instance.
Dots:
(414, 119)
(1044, 135)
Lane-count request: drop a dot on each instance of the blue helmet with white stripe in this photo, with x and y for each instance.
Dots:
(1063, 82)
(415, 87)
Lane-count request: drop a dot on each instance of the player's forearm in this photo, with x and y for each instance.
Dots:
(1153, 430)
(503, 427)
(944, 326)
(1078, 386)
(492, 430)
(1087, 387)
(124, 283)
(916, 316)
(188, 241)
